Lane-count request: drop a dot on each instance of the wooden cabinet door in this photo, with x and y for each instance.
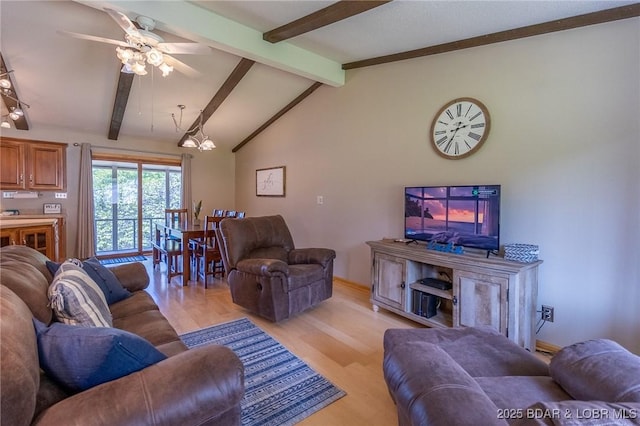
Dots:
(8, 237)
(482, 300)
(39, 238)
(47, 167)
(389, 280)
(12, 165)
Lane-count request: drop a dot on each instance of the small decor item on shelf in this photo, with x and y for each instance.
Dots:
(525, 253)
(197, 206)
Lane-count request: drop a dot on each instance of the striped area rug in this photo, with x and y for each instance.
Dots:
(280, 389)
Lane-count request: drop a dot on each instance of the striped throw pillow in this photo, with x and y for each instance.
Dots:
(77, 300)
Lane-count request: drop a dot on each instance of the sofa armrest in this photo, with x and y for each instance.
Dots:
(264, 267)
(132, 276)
(193, 387)
(311, 255)
(430, 388)
(585, 371)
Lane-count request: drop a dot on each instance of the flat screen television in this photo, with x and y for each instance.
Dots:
(466, 215)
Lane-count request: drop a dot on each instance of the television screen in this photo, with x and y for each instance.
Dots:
(463, 215)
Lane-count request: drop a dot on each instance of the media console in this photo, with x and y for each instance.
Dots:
(484, 291)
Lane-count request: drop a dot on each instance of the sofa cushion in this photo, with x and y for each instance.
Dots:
(140, 301)
(29, 284)
(82, 357)
(598, 369)
(150, 325)
(77, 300)
(521, 391)
(106, 280)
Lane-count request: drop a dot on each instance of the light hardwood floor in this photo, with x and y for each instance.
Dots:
(340, 339)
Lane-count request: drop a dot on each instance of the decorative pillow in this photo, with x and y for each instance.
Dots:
(598, 370)
(79, 358)
(76, 299)
(106, 280)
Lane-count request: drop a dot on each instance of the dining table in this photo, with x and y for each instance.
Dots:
(186, 231)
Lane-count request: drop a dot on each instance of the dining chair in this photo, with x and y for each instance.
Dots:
(240, 215)
(207, 252)
(219, 213)
(175, 216)
(231, 213)
(167, 249)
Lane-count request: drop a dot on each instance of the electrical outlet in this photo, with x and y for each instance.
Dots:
(320, 199)
(547, 313)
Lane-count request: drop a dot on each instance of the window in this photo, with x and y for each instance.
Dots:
(129, 197)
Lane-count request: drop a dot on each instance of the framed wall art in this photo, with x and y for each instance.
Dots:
(270, 182)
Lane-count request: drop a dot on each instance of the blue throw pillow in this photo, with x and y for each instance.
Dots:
(106, 280)
(79, 357)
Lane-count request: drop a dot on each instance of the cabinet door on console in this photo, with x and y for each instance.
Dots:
(482, 300)
(389, 282)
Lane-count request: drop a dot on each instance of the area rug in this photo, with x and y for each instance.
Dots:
(127, 259)
(280, 389)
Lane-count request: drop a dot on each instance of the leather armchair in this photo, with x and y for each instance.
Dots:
(267, 274)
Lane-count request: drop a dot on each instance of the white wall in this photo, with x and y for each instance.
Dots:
(212, 173)
(564, 145)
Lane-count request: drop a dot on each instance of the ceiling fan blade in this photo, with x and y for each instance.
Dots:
(184, 48)
(124, 22)
(182, 67)
(93, 38)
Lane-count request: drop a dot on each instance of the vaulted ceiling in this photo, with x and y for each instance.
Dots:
(265, 56)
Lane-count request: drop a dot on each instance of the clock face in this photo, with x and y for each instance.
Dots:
(460, 128)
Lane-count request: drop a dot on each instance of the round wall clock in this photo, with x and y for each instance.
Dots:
(460, 128)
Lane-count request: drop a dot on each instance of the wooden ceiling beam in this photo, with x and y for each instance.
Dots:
(279, 114)
(225, 90)
(10, 98)
(336, 12)
(593, 18)
(125, 81)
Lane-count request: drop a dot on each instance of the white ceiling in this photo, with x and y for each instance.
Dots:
(71, 83)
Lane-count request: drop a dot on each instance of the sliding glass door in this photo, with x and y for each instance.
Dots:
(129, 197)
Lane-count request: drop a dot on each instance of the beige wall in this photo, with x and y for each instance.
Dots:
(212, 172)
(564, 145)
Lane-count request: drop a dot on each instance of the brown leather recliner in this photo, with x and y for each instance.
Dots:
(267, 274)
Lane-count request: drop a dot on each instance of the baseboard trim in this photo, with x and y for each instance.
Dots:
(543, 346)
(351, 284)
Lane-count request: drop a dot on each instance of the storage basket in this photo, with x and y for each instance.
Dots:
(525, 253)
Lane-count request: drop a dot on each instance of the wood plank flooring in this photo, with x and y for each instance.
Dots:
(341, 339)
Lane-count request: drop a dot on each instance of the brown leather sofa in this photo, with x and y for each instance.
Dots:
(196, 386)
(476, 376)
(267, 274)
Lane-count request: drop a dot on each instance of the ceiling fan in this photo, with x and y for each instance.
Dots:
(142, 46)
